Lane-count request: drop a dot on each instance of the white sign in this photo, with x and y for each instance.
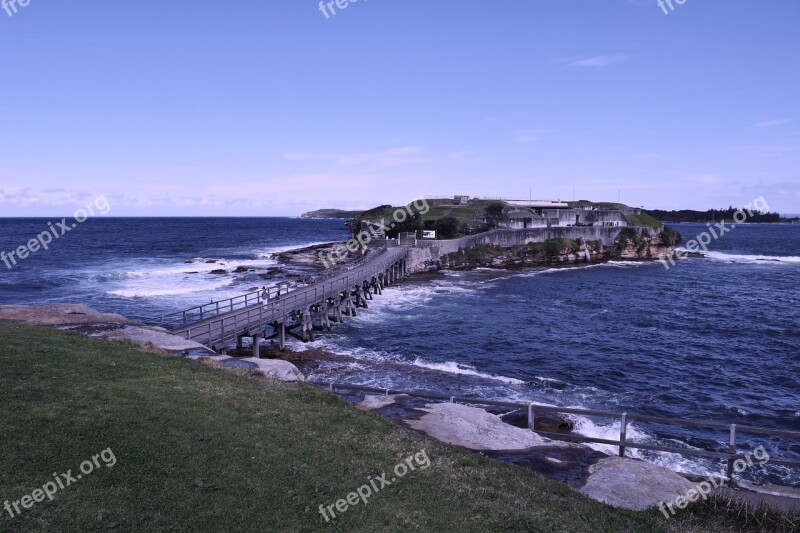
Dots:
(428, 234)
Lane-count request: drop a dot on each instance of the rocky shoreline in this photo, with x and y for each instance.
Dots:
(551, 253)
(499, 433)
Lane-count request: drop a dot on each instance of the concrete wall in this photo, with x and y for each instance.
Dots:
(568, 217)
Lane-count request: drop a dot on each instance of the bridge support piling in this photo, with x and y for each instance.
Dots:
(282, 337)
(306, 325)
(324, 319)
(365, 295)
(256, 346)
(365, 290)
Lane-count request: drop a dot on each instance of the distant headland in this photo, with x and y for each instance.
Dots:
(331, 213)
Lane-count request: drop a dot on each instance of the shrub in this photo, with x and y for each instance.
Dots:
(495, 211)
(670, 237)
(553, 247)
(447, 227)
(628, 234)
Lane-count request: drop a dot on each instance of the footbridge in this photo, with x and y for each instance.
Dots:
(276, 311)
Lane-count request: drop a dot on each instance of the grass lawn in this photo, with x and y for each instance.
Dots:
(203, 449)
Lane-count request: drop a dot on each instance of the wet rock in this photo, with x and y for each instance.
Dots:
(159, 338)
(58, 315)
(373, 402)
(541, 422)
(633, 484)
(476, 429)
(219, 271)
(276, 368)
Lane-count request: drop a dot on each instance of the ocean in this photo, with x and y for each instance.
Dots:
(708, 339)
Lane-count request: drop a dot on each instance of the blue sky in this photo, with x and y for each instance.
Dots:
(268, 108)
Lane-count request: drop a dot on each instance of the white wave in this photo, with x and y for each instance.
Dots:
(629, 264)
(674, 461)
(456, 368)
(751, 259)
(549, 380)
(136, 271)
(160, 288)
(332, 345)
(555, 270)
(393, 301)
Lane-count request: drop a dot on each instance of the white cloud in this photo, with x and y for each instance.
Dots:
(599, 61)
(772, 123)
(392, 157)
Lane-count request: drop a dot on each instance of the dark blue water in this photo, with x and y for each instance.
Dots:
(714, 338)
(138, 267)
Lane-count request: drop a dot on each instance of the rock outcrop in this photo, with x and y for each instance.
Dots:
(373, 402)
(629, 246)
(276, 368)
(633, 484)
(155, 337)
(58, 315)
(476, 429)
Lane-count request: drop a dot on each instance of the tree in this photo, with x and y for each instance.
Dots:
(494, 212)
(447, 227)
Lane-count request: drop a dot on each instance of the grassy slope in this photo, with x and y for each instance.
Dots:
(643, 220)
(207, 450)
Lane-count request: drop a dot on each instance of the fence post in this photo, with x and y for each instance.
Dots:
(732, 450)
(623, 432)
(530, 417)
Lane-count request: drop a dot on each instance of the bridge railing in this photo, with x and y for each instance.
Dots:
(275, 308)
(730, 456)
(331, 272)
(199, 313)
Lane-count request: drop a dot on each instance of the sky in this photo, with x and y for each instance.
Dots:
(273, 108)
